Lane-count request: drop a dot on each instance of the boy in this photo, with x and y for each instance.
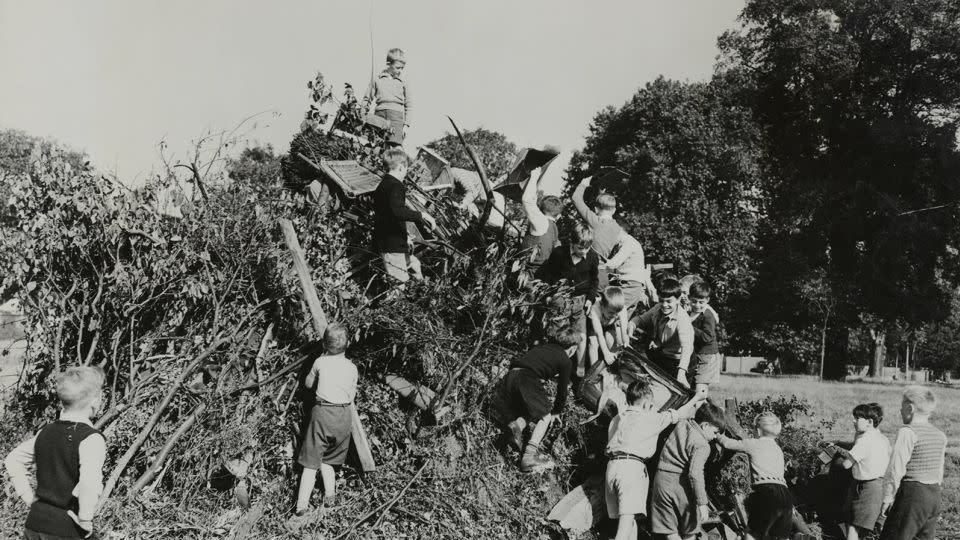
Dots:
(579, 265)
(68, 455)
(668, 328)
(327, 438)
(390, 216)
(869, 459)
(629, 271)
(607, 326)
(679, 498)
(632, 437)
(606, 231)
(542, 233)
(526, 385)
(770, 504)
(706, 371)
(390, 97)
(911, 487)
(686, 282)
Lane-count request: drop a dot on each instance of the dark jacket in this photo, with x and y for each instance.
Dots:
(705, 334)
(583, 276)
(390, 216)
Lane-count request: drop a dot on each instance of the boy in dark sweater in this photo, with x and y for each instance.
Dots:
(391, 215)
(68, 455)
(526, 385)
(706, 354)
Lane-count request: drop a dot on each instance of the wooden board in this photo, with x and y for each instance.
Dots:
(353, 178)
(581, 509)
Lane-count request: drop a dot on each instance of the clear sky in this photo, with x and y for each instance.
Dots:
(115, 77)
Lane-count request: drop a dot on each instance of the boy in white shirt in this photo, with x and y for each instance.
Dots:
(869, 459)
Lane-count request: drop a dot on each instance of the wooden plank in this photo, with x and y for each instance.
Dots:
(582, 508)
(419, 395)
(319, 320)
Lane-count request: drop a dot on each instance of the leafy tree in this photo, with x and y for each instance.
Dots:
(257, 165)
(495, 151)
(940, 350)
(692, 153)
(860, 105)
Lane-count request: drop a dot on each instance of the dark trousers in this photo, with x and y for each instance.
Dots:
(34, 535)
(914, 513)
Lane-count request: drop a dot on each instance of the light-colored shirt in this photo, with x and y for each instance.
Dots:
(92, 452)
(539, 222)
(606, 231)
(903, 453)
(628, 262)
(389, 93)
(767, 465)
(870, 455)
(635, 431)
(336, 379)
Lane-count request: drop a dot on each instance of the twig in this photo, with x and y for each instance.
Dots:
(296, 364)
(384, 508)
(448, 388)
(158, 462)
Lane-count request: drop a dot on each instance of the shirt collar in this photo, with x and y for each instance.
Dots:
(80, 418)
(386, 74)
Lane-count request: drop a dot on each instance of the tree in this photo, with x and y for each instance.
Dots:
(816, 291)
(256, 165)
(859, 102)
(693, 154)
(496, 152)
(940, 350)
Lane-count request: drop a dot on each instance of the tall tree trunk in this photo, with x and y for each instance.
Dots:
(823, 346)
(879, 336)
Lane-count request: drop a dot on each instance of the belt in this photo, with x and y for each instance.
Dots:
(613, 456)
(324, 403)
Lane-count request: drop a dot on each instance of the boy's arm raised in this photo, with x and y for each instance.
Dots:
(538, 220)
(18, 462)
(578, 202)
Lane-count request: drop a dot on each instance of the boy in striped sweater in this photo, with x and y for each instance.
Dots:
(911, 488)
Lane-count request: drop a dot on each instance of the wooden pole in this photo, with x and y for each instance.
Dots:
(319, 319)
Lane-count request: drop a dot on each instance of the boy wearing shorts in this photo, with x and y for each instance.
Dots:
(390, 97)
(632, 436)
(607, 326)
(770, 504)
(327, 438)
(869, 459)
(706, 356)
(68, 457)
(679, 497)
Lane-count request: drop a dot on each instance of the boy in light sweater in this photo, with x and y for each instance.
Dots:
(911, 487)
(389, 96)
(633, 435)
(68, 455)
(770, 504)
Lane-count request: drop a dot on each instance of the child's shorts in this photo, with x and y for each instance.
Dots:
(626, 487)
(914, 513)
(396, 118)
(862, 504)
(328, 436)
(528, 395)
(707, 370)
(673, 510)
(770, 511)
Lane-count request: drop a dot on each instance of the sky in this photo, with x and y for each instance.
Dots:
(114, 77)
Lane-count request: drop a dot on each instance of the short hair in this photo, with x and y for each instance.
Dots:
(768, 422)
(613, 297)
(711, 414)
(688, 280)
(568, 336)
(606, 201)
(396, 55)
(670, 287)
(335, 338)
(581, 237)
(869, 411)
(395, 157)
(639, 390)
(78, 385)
(551, 205)
(923, 400)
(700, 290)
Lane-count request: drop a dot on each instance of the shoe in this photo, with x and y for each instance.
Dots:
(534, 461)
(300, 512)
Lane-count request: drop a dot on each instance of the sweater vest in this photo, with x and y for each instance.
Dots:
(57, 457)
(926, 461)
(541, 246)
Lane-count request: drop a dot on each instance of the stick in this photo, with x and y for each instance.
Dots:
(385, 507)
(317, 316)
(263, 349)
(158, 462)
(448, 388)
(487, 187)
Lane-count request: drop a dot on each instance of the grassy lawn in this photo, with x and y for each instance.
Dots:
(835, 401)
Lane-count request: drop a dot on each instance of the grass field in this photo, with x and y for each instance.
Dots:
(835, 401)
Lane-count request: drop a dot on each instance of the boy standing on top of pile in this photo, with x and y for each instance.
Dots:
(770, 504)
(911, 487)
(68, 455)
(679, 503)
(632, 437)
(668, 328)
(390, 97)
(391, 215)
(327, 438)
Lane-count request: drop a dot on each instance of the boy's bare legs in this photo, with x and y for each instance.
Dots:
(329, 481)
(853, 533)
(593, 354)
(627, 527)
(581, 353)
(307, 480)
